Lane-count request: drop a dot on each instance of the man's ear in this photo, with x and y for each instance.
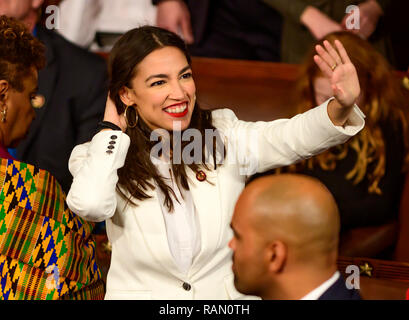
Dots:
(4, 90)
(277, 255)
(127, 96)
(35, 4)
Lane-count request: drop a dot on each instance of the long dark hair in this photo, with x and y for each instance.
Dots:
(135, 177)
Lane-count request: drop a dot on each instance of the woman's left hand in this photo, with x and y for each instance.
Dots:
(336, 65)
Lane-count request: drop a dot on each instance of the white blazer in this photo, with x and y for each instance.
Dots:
(142, 266)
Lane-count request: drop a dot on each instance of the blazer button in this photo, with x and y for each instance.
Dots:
(186, 286)
(201, 176)
(114, 137)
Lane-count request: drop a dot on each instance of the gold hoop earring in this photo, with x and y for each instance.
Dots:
(3, 115)
(136, 117)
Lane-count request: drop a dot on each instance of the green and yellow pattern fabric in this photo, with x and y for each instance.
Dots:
(46, 251)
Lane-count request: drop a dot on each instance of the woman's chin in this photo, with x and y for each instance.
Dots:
(177, 125)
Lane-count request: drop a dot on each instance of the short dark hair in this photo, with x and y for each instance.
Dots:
(19, 52)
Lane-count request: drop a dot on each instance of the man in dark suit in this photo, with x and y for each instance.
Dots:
(285, 242)
(72, 95)
(245, 29)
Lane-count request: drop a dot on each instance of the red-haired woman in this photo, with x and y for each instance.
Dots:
(365, 175)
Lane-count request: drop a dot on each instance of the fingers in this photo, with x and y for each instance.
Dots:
(187, 31)
(122, 122)
(326, 58)
(342, 52)
(325, 69)
(330, 56)
(332, 52)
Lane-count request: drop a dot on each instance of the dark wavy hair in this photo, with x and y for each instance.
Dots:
(19, 52)
(136, 176)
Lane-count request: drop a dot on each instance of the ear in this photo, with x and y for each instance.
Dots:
(127, 96)
(277, 253)
(4, 90)
(35, 4)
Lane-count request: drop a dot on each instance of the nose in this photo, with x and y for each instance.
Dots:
(177, 91)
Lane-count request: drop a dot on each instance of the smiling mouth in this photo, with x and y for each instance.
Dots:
(177, 110)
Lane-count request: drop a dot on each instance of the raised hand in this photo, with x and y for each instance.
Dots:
(336, 66)
(318, 22)
(174, 16)
(111, 115)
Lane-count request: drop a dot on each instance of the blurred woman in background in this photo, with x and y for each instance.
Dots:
(365, 175)
(46, 251)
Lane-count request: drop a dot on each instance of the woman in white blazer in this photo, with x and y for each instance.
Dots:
(168, 222)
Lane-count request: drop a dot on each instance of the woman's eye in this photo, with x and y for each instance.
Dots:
(157, 83)
(186, 75)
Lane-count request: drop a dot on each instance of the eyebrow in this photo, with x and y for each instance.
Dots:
(162, 75)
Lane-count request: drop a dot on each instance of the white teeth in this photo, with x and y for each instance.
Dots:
(177, 109)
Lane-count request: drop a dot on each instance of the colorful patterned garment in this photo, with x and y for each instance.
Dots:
(46, 251)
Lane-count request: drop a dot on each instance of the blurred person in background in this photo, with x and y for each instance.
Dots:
(366, 174)
(71, 96)
(306, 21)
(46, 251)
(97, 24)
(231, 29)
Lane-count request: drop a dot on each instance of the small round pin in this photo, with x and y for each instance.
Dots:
(201, 176)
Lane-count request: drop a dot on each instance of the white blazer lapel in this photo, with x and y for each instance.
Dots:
(150, 219)
(206, 197)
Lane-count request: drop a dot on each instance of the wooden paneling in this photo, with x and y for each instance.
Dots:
(253, 90)
(380, 279)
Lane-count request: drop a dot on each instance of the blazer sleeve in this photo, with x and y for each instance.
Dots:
(94, 166)
(261, 146)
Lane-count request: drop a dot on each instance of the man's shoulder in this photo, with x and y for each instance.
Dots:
(339, 291)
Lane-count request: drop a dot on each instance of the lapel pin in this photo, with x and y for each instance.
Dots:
(38, 101)
(201, 176)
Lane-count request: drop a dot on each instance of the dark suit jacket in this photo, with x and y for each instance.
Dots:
(339, 291)
(74, 84)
